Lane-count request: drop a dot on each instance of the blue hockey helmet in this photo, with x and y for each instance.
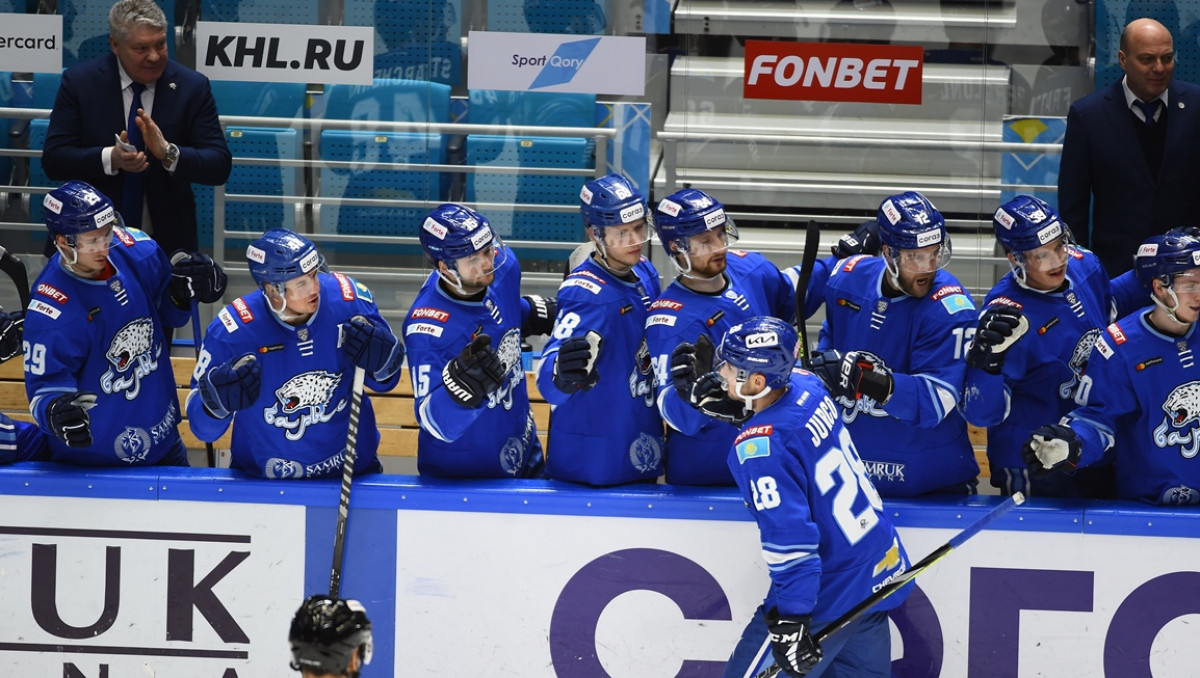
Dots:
(611, 200)
(326, 632)
(1162, 257)
(453, 231)
(1026, 223)
(280, 255)
(689, 212)
(75, 208)
(763, 344)
(908, 221)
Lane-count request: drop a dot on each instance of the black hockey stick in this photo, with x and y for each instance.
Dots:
(209, 452)
(11, 265)
(339, 535)
(812, 240)
(891, 587)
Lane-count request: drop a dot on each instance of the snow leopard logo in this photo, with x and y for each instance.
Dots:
(641, 379)
(1181, 407)
(132, 355)
(308, 396)
(508, 350)
(1179, 496)
(1078, 362)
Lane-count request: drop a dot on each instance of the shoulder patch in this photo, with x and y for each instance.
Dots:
(739, 253)
(429, 313)
(758, 445)
(1103, 348)
(126, 236)
(227, 320)
(52, 292)
(581, 282)
(39, 306)
(1005, 301)
(346, 286)
(584, 273)
(945, 291)
(1117, 334)
(669, 304)
(755, 431)
(661, 319)
(424, 328)
(363, 292)
(1075, 253)
(849, 264)
(243, 311)
(958, 302)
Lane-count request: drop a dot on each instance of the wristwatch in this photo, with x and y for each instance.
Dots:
(171, 157)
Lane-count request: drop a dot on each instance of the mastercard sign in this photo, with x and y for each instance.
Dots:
(828, 71)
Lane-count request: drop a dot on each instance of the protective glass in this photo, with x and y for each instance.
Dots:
(302, 285)
(1186, 283)
(924, 260)
(711, 242)
(482, 263)
(96, 241)
(627, 235)
(1048, 257)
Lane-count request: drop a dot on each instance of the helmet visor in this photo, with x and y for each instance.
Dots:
(633, 234)
(482, 263)
(924, 260)
(1186, 283)
(95, 241)
(1048, 257)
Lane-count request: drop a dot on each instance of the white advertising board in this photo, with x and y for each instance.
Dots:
(546, 62)
(285, 52)
(31, 43)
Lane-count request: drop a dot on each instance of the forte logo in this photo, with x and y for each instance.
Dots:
(806, 71)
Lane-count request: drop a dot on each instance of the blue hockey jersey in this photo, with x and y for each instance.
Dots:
(1142, 401)
(1042, 370)
(106, 337)
(697, 445)
(918, 442)
(826, 539)
(611, 433)
(496, 440)
(297, 427)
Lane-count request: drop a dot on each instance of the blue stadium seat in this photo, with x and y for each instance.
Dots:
(262, 12)
(387, 100)
(571, 17)
(414, 39)
(37, 174)
(85, 29)
(254, 217)
(267, 99)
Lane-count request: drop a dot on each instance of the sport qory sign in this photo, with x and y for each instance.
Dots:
(828, 71)
(557, 63)
(285, 53)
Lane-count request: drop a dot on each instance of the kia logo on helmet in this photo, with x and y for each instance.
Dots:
(762, 340)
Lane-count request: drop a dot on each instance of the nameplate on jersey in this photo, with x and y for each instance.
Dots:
(39, 306)
(753, 442)
(243, 310)
(346, 285)
(52, 292)
(580, 282)
(424, 328)
(660, 319)
(426, 313)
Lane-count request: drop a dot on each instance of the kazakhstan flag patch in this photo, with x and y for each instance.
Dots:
(958, 302)
(754, 447)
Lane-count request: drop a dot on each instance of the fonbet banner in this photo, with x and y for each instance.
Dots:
(830, 71)
(285, 52)
(31, 43)
(557, 63)
(125, 588)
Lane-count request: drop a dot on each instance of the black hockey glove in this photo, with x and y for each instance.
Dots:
(230, 387)
(708, 395)
(474, 373)
(862, 240)
(1052, 448)
(375, 349)
(794, 649)
(68, 418)
(999, 328)
(574, 368)
(853, 375)
(12, 327)
(195, 275)
(542, 311)
(688, 362)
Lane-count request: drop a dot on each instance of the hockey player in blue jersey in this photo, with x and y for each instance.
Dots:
(97, 372)
(891, 352)
(464, 352)
(1032, 343)
(277, 365)
(1141, 393)
(826, 539)
(596, 370)
(717, 287)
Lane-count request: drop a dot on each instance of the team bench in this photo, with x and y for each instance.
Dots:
(393, 412)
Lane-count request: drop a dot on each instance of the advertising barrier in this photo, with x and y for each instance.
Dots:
(196, 572)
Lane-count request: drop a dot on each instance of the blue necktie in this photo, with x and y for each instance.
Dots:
(134, 191)
(1149, 109)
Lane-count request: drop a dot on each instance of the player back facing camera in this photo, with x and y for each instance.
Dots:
(330, 637)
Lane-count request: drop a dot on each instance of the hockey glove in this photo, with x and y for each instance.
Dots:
(828, 366)
(574, 368)
(855, 375)
(862, 240)
(1052, 448)
(688, 361)
(194, 275)
(230, 387)
(999, 328)
(69, 420)
(375, 349)
(12, 327)
(542, 311)
(794, 649)
(474, 373)
(708, 395)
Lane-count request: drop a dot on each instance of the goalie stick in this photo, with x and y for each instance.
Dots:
(891, 587)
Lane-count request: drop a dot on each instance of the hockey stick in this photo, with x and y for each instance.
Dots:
(339, 536)
(812, 240)
(10, 264)
(209, 452)
(891, 587)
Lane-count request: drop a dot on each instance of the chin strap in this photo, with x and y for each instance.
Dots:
(748, 400)
(280, 312)
(687, 272)
(1170, 310)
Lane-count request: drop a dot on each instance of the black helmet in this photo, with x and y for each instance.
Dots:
(326, 632)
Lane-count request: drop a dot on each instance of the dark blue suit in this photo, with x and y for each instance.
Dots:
(1103, 165)
(89, 110)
